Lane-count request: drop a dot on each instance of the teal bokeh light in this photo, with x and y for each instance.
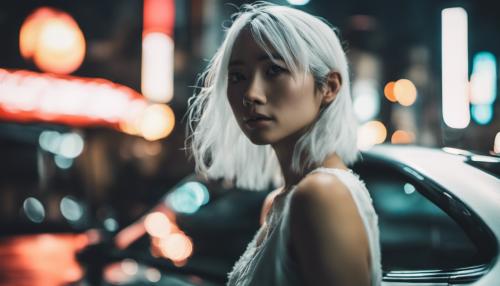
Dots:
(484, 75)
(482, 114)
(189, 197)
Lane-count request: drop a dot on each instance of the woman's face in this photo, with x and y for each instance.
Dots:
(269, 103)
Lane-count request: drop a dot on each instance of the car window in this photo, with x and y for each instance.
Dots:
(415, 234)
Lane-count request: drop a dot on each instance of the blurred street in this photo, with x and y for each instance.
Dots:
(96, 187)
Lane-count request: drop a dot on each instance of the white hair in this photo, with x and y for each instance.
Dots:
(307, 44)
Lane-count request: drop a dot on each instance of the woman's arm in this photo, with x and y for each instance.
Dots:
(328, 237)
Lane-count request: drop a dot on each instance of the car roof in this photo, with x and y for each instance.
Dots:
(450, 170)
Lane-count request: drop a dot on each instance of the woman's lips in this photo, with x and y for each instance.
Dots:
(258, 123)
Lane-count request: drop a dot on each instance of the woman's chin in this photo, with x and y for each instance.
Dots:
(258, 139)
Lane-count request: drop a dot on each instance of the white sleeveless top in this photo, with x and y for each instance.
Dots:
(270, 263)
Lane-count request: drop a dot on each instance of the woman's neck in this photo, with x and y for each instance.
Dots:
(285, 160)
(285, 155)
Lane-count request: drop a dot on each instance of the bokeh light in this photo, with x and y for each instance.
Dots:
(34, 210)
(482, 114)
(389, 92)
(370, 134)
(71, 209)
(49, 141)
(63, 162)
(157, 79)
(132, 123)
(110, 224)
(455, 67)
(129, 266)
(366, 100)
(483, 80)
(67, 100)
(402, 137)
(71, 145)
(157, 224)
(177, 247)
(113, 273)
(67, 145)
(189, 197)
(30, 31)
(53, 40)
(152, 275)
(405, 92)
(157, 122)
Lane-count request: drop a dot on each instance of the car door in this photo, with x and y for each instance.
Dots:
(428, 237)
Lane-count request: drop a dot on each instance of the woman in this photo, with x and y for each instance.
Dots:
(275, 103)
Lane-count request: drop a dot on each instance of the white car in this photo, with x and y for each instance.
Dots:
(439, 219)
(439, 214)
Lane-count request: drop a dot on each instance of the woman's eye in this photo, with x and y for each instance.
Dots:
(275, 70)
(234, 77)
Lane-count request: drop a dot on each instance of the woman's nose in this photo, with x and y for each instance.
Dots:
(255, 92)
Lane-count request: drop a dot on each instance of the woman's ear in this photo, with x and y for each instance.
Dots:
(331, 87)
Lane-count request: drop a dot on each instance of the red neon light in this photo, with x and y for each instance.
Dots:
(27, 96)
(159, 16)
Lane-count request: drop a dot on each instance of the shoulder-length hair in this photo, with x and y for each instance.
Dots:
(307, 44)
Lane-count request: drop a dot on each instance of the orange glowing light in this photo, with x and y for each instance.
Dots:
(157, 122)
(115, 274)
(405, 92)
(128, 127)
(40, 259)
(370, 134)
(132, 123)
(158, 225)
(53, 40)
(402, 137)
(30, 29)
(177, 247)
(389, 92)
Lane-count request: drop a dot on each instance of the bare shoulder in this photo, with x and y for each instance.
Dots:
(321, 190)
(328, 237)
(323, 200)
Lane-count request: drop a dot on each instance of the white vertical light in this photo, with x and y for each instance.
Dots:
(366, 99)
(157, 67)
(454, 52)
(483, 78)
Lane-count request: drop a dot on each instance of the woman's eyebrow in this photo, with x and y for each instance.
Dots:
(263, 57)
